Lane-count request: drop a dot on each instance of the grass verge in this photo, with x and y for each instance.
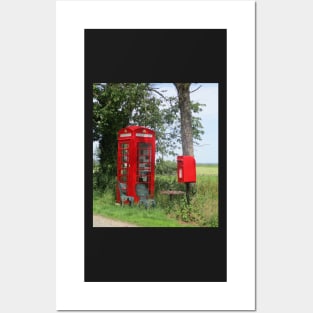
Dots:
(202, 211)
(103, 204)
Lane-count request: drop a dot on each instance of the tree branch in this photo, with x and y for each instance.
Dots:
(159, 93)
(196, 89)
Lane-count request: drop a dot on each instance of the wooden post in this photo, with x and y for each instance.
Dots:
(188, 189)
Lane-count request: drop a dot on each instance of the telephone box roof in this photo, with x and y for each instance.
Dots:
(134, 129)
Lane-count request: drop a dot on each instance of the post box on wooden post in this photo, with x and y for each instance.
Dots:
(186, 169)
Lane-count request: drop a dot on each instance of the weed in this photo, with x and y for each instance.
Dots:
(175, 212)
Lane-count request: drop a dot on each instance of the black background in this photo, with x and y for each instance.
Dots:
(155, 254)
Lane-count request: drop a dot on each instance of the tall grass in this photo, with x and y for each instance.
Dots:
(206, 200)
(203, 208)
(104, 204)
(175, 212)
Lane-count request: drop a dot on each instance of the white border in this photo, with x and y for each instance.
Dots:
(238, 17)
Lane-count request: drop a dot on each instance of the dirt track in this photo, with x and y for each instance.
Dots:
(100, 221)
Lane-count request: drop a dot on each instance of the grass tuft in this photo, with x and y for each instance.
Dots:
(202, 211)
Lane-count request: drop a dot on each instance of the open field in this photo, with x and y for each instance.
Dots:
(207, 169)
(202, 211)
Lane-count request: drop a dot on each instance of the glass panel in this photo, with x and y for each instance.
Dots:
(123, 159)
(144, 163)
(124, 172)
(125, 155)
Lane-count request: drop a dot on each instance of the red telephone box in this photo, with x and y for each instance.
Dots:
(135, 161)
(186, 169)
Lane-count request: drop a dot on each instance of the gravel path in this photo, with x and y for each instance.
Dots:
(100, 221)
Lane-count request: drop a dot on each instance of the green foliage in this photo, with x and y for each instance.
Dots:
(203, 207)
(213, 221)
(206, 200)
(103, 204)
(189, 213)
(172, 126)
(117, 105)
(113, 106)
(165, 167)
(175, 212)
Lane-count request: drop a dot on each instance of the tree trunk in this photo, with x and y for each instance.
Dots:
(186, 117)
(186, 124)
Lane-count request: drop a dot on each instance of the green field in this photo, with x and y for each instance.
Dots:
(202, 211)
(207, 169)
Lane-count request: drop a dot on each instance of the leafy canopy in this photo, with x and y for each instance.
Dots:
(117, 105)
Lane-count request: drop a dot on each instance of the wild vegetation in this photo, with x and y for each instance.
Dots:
(176, 122)
(175, 212)
(117, 105)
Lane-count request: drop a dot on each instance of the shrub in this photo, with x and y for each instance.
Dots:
(103, 182)
(203, 207)
(165, 167)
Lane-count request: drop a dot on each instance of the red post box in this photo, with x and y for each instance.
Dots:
(135, 162)
(186, 169)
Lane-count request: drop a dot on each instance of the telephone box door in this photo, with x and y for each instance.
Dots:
(123, 164)
(145, 163)
(135, 162)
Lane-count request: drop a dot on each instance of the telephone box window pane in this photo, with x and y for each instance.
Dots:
(124, 171)
(124, 152)
(144, 162)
